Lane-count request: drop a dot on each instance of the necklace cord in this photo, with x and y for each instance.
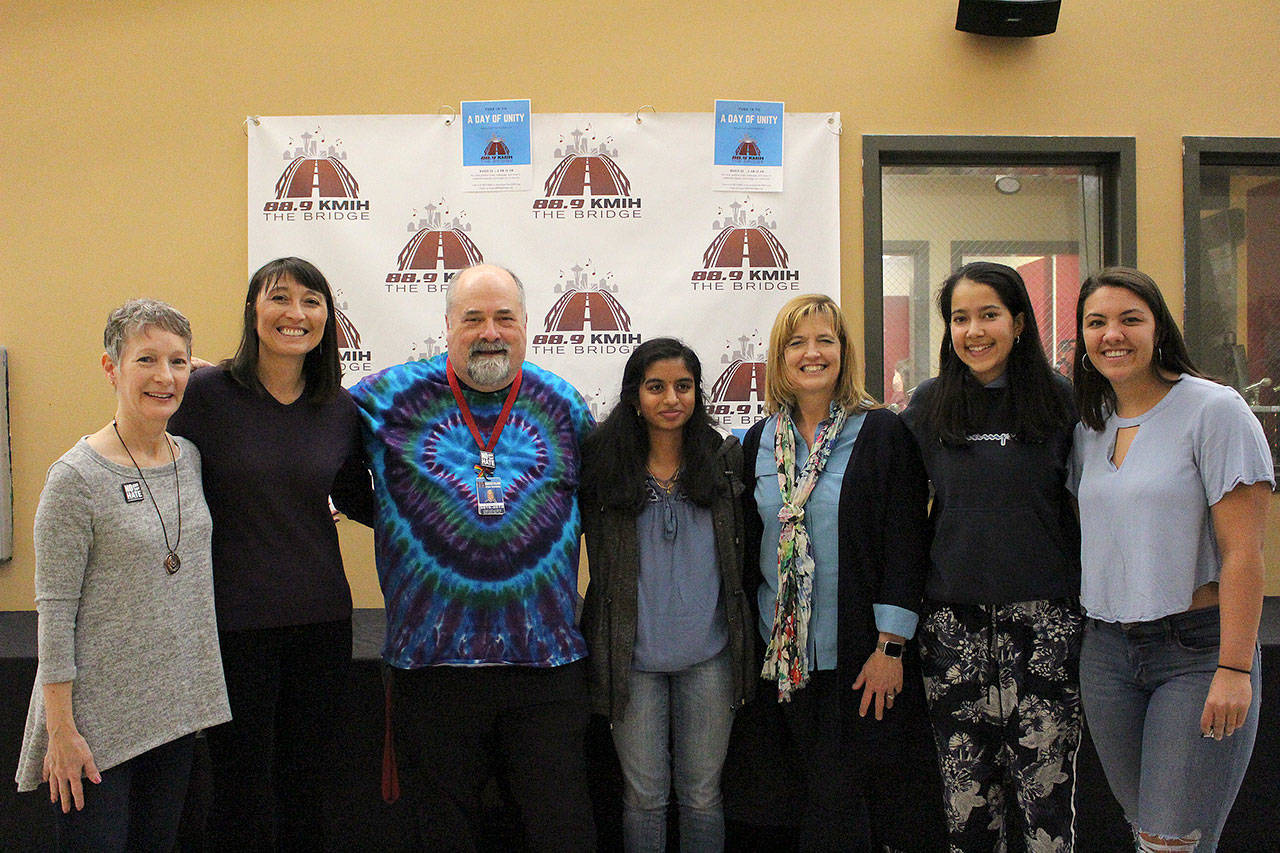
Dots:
(177, 485)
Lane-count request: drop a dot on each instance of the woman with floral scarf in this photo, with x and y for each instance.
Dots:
(836, 529)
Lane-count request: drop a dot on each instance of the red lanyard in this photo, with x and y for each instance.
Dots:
(487, 447)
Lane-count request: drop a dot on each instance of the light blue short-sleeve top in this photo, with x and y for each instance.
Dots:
(1147, 540)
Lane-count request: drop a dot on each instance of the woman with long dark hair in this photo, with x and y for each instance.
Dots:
(1173, 476)
(1000, 635)
(665, 617)
(278, 435)
(837, 550)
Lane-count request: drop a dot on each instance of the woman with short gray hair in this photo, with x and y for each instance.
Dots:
(128, 649)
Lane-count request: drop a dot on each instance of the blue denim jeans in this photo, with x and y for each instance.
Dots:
(675, 727)
(1144, 687)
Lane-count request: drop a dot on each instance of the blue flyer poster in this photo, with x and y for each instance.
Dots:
(496, 152)
(748, 147)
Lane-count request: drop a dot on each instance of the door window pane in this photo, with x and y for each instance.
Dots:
(1235, 336)
(1044, 221)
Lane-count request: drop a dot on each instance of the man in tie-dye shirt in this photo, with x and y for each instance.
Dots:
(475, 463)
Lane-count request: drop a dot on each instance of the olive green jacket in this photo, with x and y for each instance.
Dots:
(609, 612)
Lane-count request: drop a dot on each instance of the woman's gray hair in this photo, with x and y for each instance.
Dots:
(137, 314)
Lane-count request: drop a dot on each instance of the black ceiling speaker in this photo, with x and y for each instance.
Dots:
(1008, 17)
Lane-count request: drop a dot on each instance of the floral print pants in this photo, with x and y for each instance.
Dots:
(1003, 687)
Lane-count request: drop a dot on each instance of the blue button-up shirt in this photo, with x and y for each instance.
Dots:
(821, 518)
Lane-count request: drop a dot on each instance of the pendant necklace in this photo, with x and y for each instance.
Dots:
(171, 562)
(668, 484)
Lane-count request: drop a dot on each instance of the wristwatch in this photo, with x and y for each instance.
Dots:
(891, 649)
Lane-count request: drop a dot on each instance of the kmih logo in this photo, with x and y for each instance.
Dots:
(586, 303)
(587, 182)
(316, 183)
(745, 240)
(497, 149)
(747, 150)
(315, 173)
(440, 247)
(737, 396)
(587, 168)
(745, 253)
(587, 318)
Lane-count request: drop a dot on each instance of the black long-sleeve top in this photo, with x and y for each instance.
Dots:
(269, 470)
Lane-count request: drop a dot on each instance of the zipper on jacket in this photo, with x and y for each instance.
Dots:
(608, 633)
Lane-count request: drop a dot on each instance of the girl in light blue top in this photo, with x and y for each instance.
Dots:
(665, 615)
(1173, 475)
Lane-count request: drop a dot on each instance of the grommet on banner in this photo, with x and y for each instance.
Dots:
(833, 125)
(257, 122)
(649, 107)
(452, 112)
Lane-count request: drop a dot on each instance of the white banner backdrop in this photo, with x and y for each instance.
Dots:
(622, 238)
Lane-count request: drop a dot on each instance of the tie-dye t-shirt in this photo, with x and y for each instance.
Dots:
(462, 588)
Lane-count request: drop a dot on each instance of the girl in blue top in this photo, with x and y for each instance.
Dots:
(1173, 475)
(665, 616)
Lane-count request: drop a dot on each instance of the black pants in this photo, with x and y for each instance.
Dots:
(270, 763)
(873, 789)
(452, 723)
(834, 802)
(137, 806)
(1003, 687)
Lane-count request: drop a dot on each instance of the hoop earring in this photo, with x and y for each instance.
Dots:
(1159, 355)
(1086, 366)
(1017, 339)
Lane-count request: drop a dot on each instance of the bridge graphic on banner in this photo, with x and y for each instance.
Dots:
(312, 172)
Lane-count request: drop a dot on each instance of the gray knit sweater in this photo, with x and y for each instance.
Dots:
(140, 645)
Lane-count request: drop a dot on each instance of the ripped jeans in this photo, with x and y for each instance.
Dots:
(1144, 685)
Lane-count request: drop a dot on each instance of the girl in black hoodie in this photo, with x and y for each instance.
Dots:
(1001, 631)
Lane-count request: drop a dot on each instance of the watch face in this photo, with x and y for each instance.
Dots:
(892, 649)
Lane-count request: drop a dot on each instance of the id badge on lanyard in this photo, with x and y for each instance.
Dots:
(489, 497)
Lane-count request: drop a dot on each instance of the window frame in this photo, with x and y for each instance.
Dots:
(1114, 157)
(1199, 151)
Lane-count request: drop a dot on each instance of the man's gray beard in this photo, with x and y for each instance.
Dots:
(489, 368)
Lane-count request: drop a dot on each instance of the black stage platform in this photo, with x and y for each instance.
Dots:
(360, 820)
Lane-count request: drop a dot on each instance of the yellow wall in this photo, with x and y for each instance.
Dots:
(122, 162)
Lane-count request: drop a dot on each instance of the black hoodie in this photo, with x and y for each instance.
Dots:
(1004, 528)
